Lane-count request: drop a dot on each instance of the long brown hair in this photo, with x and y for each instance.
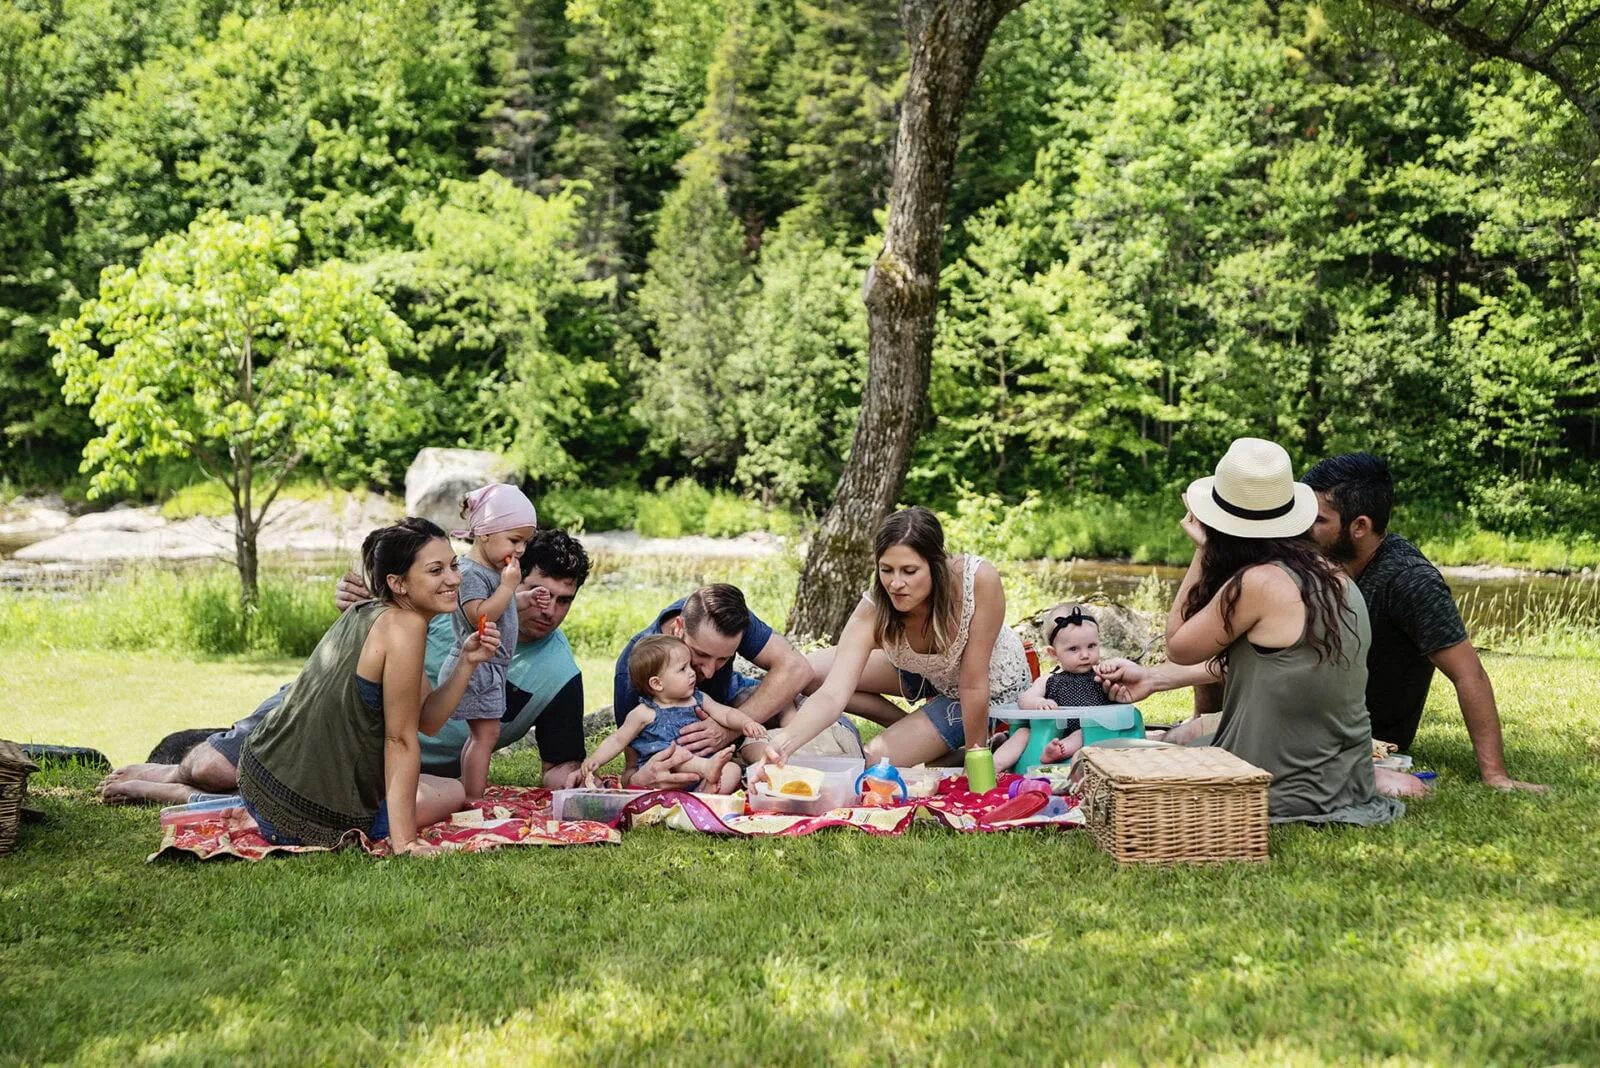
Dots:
(918, 530)
(1224, 559)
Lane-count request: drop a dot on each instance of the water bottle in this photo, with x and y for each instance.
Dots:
(980, 769)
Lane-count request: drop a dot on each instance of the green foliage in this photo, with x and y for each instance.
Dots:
(212, 349)
(692, 296)
(218, 352)
(1169, 226)
(798, 413)
(493, 271)
(332, 114)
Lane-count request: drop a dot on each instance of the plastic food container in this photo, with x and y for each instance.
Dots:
(602, 806)
(838, 788)
(924, 782)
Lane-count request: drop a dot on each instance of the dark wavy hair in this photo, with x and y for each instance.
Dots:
(1226, 557)
(1356, 484)
(392, 550)
(918, 530)
(558, 554)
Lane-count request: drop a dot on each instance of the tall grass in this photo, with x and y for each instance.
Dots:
(190, 611)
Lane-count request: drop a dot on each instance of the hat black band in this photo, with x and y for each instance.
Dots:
(1253, 513)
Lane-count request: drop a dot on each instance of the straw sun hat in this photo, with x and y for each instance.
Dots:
(1253, 494)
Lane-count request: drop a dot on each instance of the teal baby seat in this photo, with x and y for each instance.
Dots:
(1100, 722)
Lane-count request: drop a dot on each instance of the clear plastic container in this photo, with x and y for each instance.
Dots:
(838, 788)
(924, 782)
(603, 806)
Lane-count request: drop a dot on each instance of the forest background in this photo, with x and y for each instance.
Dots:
(623, 241)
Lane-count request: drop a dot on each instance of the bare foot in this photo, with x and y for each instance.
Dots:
(1392, 783)
(165, 793)
(147, 772)
(716, 765)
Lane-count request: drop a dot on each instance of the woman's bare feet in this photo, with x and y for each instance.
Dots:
(126, 790)
(1392, 783)
(147, 772)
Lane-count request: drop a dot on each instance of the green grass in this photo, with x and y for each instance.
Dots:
(1466, 933)
(1469, 932)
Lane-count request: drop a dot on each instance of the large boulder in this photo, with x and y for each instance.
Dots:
(438, 478)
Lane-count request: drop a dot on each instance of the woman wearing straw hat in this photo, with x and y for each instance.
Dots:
(1288, 633)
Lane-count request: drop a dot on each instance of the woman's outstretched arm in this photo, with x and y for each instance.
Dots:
(826, 705)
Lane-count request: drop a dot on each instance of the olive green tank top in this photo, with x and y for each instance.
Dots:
(1306, 722)
(314, 768)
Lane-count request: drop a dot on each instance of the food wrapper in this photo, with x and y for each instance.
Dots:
(803, 784)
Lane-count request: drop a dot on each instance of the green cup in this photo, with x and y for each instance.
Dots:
(980, 769)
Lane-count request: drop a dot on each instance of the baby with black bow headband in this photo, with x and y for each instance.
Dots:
(1072, 636)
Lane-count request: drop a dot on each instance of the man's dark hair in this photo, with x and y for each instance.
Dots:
(558, 554)
(720, 603)
(1356, 483)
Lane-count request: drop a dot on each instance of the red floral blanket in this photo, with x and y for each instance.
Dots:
(512, 816)
(520, 816)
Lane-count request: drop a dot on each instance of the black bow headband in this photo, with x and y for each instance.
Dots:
(1076, 618)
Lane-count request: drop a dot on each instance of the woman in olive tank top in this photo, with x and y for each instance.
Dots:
(1289, 634)
(340, 753)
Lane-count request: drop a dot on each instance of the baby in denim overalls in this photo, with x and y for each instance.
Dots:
(659, 666)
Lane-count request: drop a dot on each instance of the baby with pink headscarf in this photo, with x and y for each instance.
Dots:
(500, 523)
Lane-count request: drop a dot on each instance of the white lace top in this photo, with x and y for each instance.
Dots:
(1008, 666)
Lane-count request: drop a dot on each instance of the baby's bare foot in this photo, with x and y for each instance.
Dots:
(712, 780)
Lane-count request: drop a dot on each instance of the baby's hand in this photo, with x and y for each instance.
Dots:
(482, 644)
(1035, 704)
(752, 729)
(540, 598)
(511, 571)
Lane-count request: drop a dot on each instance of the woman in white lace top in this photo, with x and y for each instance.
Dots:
(932, 629)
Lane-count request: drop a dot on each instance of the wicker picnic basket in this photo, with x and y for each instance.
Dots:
(1172, 805)
(15, 768)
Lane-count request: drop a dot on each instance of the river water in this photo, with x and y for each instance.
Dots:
(1498, 601)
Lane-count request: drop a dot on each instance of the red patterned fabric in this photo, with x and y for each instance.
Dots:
(520, 816)
(513, 816)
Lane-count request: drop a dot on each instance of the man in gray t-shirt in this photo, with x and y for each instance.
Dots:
(1416, 626)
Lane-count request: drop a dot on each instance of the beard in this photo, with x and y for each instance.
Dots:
(1343, 549)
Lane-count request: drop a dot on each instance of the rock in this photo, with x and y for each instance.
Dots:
(122, 517)
(438, 478)
(31, 518)
(301, 526)
(754, 546)
(1123, 632)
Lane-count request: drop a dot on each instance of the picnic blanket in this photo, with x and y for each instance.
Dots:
(512, 816)
(520, 816)
(954, 807)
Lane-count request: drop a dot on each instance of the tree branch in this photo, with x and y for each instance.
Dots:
(283, 479)
(1475, 40)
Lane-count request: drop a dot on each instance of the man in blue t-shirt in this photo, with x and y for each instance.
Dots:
(716, 623)
(544, 692)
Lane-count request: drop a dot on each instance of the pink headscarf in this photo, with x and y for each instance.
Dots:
(496, 508)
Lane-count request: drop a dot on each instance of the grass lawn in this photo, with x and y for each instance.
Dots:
(1469, 933)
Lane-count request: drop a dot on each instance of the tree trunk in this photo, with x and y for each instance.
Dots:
(948, 39)
(245, 555)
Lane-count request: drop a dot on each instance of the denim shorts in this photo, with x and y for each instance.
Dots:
(740, 684)
(943, 712)
(377, 832)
